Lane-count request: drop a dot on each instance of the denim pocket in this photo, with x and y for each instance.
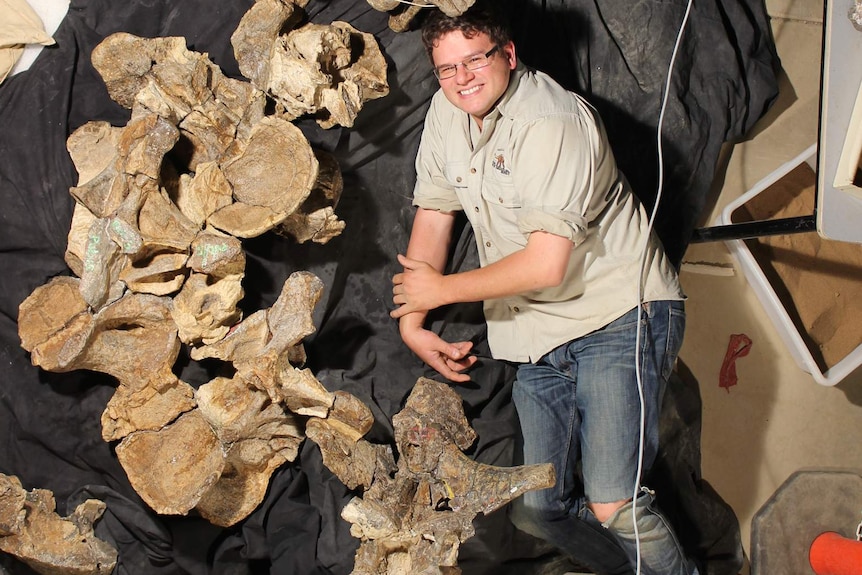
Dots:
(675, 331)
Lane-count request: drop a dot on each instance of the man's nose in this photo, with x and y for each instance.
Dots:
(462, 74)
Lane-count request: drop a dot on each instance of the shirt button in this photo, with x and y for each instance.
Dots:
(472, 170)
(501, 200)
(476, 208)
(458, 179)
(488, 244)
(516, 309)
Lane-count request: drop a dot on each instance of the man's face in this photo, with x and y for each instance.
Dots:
(474, 91)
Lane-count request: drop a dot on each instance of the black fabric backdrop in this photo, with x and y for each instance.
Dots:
(615, 52)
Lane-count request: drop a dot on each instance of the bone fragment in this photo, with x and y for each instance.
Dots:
(217, 255)
(415, 519)
(259, 437)
(146, 408)
(132, 339)
(204, 310)
(32, 531)
(173, 467)
(161, 274)
(201, 195)
(257, 33)
(315, 219)
(276, 170)
(326, 71)
(401, 17)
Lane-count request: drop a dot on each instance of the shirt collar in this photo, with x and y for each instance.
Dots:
(514, 81)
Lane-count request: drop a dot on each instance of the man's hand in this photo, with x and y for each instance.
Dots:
(449, 359)
(418, 288)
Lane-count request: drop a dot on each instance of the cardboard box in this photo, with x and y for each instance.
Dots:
(775, 307)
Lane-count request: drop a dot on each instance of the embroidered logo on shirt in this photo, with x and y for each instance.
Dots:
(499, 164)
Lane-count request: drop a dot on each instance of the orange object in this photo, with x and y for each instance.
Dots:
(833, 554)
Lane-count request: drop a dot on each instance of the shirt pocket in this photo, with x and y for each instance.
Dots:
(501, 192)
(504, 211)
(456, 173)
(498, 189)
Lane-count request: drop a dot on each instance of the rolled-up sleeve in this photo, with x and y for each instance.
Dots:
(427, 195)
(432, 191)
(569, 225)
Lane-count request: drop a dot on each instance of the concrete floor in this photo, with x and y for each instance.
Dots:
(777, 419)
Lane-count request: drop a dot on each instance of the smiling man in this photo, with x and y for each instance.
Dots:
(577, 291)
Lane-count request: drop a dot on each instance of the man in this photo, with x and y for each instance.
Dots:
(568, 272)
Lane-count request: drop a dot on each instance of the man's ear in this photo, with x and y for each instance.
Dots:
(508, 49)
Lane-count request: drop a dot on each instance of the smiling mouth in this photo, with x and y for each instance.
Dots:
(469, 91)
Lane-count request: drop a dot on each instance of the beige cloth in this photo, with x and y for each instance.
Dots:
(543, 162)
(19, 26)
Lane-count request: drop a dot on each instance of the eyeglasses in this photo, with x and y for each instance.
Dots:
(472, 63)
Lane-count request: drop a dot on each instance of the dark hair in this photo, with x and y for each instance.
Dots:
(480, 18)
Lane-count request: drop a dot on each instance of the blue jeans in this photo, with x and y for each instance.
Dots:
(580, 404)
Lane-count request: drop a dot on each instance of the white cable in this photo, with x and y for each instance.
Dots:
(644, 251)
(416, 4)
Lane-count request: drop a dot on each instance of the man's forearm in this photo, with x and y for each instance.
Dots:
(411, 321)
(430, 237)
(543, 263)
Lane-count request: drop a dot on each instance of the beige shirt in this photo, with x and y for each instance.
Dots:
(542, 162)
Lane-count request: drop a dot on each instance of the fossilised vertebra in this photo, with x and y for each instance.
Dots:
(160, 205)
(31, 530)
(401, 14)
(414, 520)
(311, 70)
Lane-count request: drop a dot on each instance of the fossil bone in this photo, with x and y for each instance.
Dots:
(259, 437)
(160, 205)
(32, 531)
(312, 69)
(171, 468)
(315, 219)
(401, 16)
(415, 518)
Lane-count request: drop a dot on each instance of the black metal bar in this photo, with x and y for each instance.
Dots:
(747, 230)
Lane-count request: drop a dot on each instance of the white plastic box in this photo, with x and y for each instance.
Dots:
(774, 307)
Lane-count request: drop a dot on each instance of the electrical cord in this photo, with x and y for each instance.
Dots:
(415, 4)
(644, 251)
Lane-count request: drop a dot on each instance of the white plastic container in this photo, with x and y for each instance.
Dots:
(766, 294)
